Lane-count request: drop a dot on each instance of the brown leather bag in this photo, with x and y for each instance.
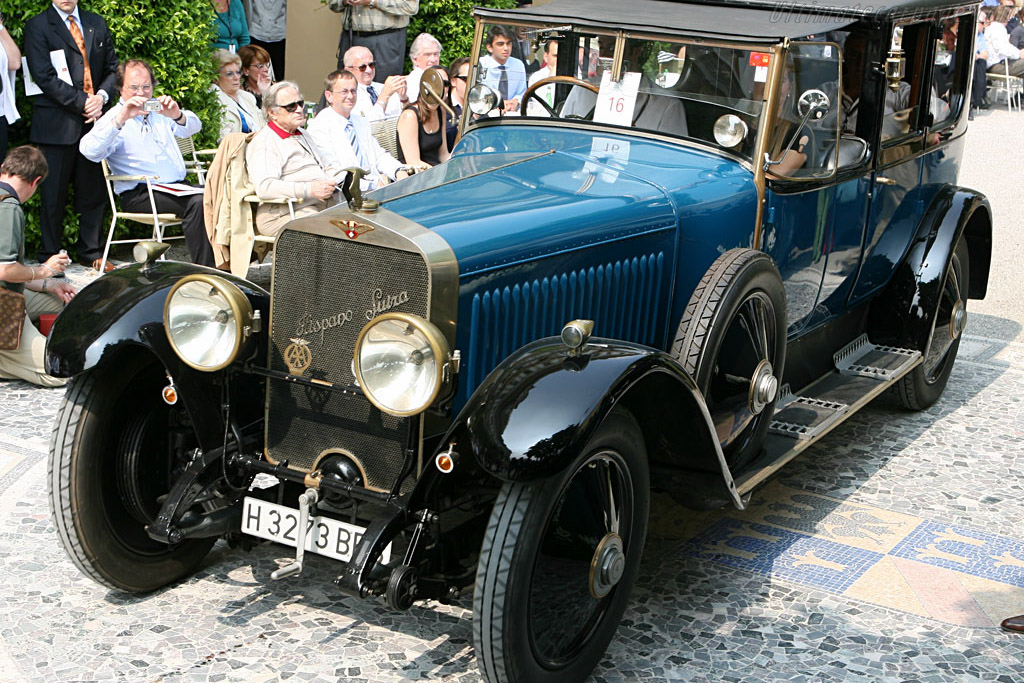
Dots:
(12, 318)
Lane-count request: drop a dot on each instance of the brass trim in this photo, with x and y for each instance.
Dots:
(770, 103)
(241, 309)
(315, 472)
(438, 345)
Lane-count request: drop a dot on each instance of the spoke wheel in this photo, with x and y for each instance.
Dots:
(732, 341)
(559, 559)
(923, 385)
(110, 462)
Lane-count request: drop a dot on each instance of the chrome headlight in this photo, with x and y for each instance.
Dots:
(729, 130)
(207, 320)
(402, 363)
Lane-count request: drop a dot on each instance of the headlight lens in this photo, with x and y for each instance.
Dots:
(729, 130)
(400, 363)
(207, 320)
(481, 100)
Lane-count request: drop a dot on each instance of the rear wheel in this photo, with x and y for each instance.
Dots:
(559, 559)
(110, 462)
(923, 385)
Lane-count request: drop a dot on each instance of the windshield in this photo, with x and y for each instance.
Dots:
(674, 88)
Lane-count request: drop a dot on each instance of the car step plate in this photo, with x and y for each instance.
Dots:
(803, 417)
(864, 359)
(326, 536)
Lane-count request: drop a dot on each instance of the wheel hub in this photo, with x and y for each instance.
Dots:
(764, 387)
(958, 320)
(608, 565)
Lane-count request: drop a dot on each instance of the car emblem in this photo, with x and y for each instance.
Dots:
(352, 229)
(297, 356)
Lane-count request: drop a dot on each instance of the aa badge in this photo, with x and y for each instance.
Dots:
(297, 356)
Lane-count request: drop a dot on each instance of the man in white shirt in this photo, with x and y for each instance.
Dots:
(547, 92)
(500, 70)
(424, 52)
(345, 136)
(997, 40)
(137, 142)
(375, 100)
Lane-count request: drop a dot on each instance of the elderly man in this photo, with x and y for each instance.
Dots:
(375, 100)
(345, 136)
(135, 141)
(284, 162)
(378, 25)
(22, 171)
(424, 52)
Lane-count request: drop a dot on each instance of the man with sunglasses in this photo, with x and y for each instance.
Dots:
(284, 162)
(375, 100)
(139, 141)
(378, 25)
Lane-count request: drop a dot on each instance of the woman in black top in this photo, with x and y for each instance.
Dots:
(422, 134)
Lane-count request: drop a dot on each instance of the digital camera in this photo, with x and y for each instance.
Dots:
(152, 105)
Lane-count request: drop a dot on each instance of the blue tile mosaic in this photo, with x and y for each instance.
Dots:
(788, 555)
(965, 550)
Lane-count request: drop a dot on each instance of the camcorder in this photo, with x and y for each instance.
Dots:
(152, 105)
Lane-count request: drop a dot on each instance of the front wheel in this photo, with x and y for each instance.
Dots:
(559, 559)
(111, 460)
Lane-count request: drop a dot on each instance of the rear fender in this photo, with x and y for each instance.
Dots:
(903, 314)
(123, 312)
(537, 410)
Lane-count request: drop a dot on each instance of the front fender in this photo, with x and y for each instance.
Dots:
(122, 311)
(903, 314)
(538, 409)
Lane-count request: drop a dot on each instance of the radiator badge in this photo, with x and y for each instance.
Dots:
(297, 356)
(380, 303)
(307, 325)
(352, 229)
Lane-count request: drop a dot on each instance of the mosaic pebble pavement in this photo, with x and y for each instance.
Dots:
(887, 552)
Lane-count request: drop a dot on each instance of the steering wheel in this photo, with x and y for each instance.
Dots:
(532, 91)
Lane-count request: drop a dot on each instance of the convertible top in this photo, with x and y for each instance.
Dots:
(743, 20)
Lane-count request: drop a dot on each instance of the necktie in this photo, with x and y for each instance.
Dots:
(350, 130)
(503, 83)
(76, 35)
(372, 93)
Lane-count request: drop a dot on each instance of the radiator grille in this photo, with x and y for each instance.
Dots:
(324, 292)
(620, 297)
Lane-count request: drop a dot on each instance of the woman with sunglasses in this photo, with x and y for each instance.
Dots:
(257, 73)
(459, 71)
(240, 114)
(422, 127)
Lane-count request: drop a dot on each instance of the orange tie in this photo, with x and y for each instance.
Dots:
(76, 34)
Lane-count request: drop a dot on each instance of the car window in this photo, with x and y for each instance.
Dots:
(901, 116)
(951, 69)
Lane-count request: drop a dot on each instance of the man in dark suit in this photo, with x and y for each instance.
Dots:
(63, 34)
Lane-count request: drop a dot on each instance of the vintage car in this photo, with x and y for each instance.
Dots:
(728, 226)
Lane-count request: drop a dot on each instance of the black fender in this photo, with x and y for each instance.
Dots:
(536, 411)
(902, 314)
(121, 312)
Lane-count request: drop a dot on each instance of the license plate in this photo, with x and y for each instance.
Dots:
(325, 536)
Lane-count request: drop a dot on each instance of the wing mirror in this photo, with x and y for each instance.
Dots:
(482, 100)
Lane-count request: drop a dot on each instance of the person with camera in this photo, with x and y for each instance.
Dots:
(136, 137)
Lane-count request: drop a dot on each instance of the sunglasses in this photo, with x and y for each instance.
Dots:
(292, 107)
(368, 65)
(461, 78)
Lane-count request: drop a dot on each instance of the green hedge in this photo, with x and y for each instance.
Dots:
(172, 35)
(451, 22)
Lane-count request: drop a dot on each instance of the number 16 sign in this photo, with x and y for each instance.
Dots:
(617, 99)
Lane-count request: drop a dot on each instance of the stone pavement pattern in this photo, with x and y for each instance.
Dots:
(887, 552)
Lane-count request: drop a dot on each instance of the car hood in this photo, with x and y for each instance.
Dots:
(496, 208)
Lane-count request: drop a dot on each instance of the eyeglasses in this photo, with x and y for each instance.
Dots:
(230, 74)
(140, 88)
(446, 84)
(292, 107)
(368, 65)
(262, 66)
(462, 78)
(353, 93)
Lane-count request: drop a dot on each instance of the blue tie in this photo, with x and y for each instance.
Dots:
(350, 130)
(503, 83)
(373, 94)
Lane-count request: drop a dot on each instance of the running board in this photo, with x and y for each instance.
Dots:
(863, 371)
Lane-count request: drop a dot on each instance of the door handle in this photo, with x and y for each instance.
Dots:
(882, 180)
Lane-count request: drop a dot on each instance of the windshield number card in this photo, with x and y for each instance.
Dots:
(610, 153)
(617, 99)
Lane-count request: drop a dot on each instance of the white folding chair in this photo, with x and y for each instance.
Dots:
(159, 221)
(241, 252)
(1009, 85)
(384, 130)
(191, 155)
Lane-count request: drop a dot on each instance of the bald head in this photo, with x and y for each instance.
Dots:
(359, 61)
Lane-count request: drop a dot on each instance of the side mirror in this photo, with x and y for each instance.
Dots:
(482, 100)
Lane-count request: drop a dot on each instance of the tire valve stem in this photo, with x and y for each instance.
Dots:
(170, 392)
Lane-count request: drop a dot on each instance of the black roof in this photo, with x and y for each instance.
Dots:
(744, 20)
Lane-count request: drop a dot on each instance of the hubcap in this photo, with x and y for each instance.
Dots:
(608, 565)
(764, 387)
(957, 321)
